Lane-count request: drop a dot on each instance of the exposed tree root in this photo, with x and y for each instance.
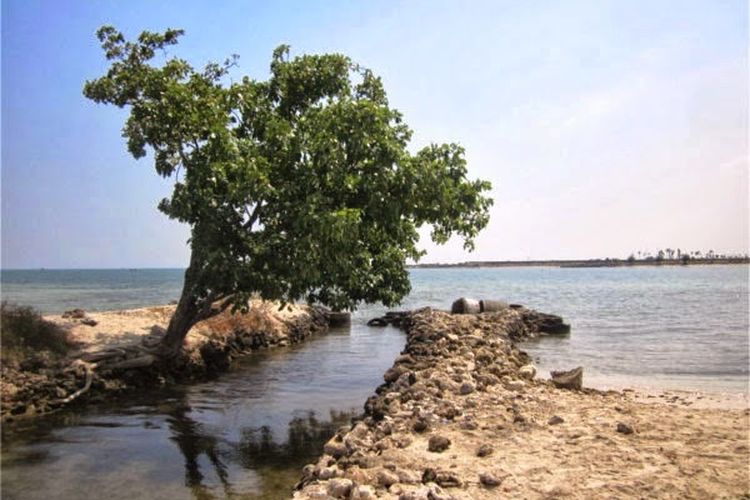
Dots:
(89, 367)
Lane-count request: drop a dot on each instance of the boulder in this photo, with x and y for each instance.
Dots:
(465, 306)
(527, 371)
(492, 305)
(571, 379)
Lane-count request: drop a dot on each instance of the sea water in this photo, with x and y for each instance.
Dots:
(670, 326)
(248, 433)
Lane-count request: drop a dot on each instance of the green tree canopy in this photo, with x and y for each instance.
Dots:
(297, 187)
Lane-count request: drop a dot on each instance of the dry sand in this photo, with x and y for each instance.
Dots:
(129, 327)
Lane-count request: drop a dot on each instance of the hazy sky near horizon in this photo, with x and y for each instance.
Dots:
(606, 127)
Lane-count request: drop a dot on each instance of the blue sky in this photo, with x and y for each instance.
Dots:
(605, 127)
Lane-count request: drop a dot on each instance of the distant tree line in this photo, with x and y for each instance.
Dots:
(671, 254)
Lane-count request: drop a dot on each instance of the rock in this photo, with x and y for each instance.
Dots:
(402, 441)
(623, 428)
(420, 425)
(362, 492)
(489, 480)
(393, 373)
(447, 479)
(519, 419)
(465, 306)
(572, 379)
(89, 322)
(467, 388)
(515, 385)
(315, 492)
(335, 448)
(437, 493)
(386, 478)
(485, 450)
(492, 305)
(74, 314)
(407, 476)
(327, 472)
(378, 322)
(438, 443)
(555, 420)
(421, 493)
(340, 487)
(468, 424)
(545, 323)
(527, 371)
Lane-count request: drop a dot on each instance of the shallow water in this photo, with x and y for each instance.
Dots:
(670, 326)
(249, 432)
(246, 434)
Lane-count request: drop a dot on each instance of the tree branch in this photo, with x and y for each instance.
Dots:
(253, 217)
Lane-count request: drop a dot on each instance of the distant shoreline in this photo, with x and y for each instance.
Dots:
(586, 263)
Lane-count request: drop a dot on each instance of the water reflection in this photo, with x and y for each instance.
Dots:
(246, 434)
(274, 461)
(193, 441)
(121, 453)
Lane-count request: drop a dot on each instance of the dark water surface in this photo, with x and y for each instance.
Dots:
(248, 433)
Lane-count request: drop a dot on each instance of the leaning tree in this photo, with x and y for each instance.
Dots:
(297, 187)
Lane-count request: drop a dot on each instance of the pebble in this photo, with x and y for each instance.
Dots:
(386, 478)
(438, 443)
(555, 420)
(420, 425)
(489, 480)
(485, 450)
(340, 487)
(467, 388)
(623, 428)
(327, 472)
(527, 371)
(515, 385)
(334, 448)
(362, 492)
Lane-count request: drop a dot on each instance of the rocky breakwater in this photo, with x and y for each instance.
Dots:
(112, 353)
(453, 367)
(462, 416)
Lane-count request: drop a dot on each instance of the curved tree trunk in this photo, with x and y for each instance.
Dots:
(188, 313)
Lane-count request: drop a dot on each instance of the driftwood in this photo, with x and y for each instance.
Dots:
(89, 367)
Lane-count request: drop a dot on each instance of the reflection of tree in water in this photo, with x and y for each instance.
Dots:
(193, 440)
(277, 464)
(305, 439)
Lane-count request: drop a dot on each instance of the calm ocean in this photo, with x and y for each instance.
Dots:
(248, 433)
(655, 326)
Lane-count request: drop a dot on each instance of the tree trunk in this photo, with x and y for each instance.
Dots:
(187, 314)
